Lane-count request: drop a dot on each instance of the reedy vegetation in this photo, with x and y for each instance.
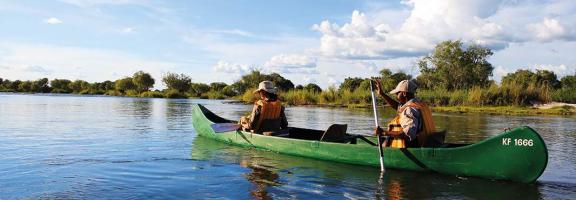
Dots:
(451, 75)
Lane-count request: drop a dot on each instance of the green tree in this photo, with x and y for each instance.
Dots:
(568, 82)
(313, 87)
(78, 86)
(217, 86)
(524, 78)
(351, 84)
(364, 85)
(108, 85)
(124, 84)
(14, 85)
(390, 80)
(142, 81)
(299, 87)
(40, 85)
(60, 86)
(549, 78)
(25, 86)
(179, 82)
(254, 78)
(228, 91)
(197, 89)
(280, 82)
(452, 67)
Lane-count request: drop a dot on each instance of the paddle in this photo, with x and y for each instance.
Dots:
(376, 122)
(225, 127)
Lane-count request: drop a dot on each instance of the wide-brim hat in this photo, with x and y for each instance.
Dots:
(405, 86)
(267, 86)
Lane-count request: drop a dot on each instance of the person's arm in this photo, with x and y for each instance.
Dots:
(393, 103)
(284, 120)
(254, 117)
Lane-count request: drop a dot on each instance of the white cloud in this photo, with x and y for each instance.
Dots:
(560, 70)
(548, 30)
(234, 68)
(307, 79)
(291, 63)
(370, 66)
(52, 20)
(500, 71)
(492, 23)
(282, 64)
(332, 82)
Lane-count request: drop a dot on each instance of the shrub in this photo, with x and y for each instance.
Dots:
(174, 94)
(152, 94)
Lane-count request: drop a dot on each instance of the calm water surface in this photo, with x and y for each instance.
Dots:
(71, 147)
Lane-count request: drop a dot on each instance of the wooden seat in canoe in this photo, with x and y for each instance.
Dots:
(335, 133)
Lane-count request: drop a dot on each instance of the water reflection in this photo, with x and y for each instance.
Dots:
(261, 177)
(178, 114)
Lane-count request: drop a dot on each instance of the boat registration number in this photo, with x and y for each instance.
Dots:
(517, 142)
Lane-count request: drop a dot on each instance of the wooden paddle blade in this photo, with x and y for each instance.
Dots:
(225, 127)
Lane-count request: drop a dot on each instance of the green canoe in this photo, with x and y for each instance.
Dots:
(517, 155)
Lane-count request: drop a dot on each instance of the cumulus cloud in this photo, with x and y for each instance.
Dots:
(492, 23)
(291, 63)
(370, 66)
(549, 29)
(52, 20)
(560, 70)
(282, 63)
(234, 68)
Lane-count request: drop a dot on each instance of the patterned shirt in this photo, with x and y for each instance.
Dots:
(410, 120)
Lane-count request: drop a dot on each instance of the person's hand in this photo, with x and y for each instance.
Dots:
(395, 134)
(378, 131)
(378, 85)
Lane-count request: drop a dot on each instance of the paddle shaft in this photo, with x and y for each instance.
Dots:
(374, 107)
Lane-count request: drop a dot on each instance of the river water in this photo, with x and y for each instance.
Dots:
(95, 147)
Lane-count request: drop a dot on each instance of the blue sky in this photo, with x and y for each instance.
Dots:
(321, 41)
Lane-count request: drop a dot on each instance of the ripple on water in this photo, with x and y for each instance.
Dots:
(71, 147)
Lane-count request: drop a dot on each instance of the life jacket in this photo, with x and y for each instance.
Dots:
(424, 131)
(269, 113)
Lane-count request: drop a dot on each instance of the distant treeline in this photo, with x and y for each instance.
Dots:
(451, 75)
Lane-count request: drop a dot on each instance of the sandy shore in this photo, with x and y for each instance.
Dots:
(552, 105)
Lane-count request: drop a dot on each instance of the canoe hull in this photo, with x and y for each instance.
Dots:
(517, 155)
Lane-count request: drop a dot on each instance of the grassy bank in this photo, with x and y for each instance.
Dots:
(508, 110)
(506, 99)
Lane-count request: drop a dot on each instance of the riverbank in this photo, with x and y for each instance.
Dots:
(508, 110)
(554, 108)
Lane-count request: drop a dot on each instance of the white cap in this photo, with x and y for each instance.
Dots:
(267, 86)
(405, 86)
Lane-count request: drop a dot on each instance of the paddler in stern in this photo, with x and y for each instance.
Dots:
(413, 122)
